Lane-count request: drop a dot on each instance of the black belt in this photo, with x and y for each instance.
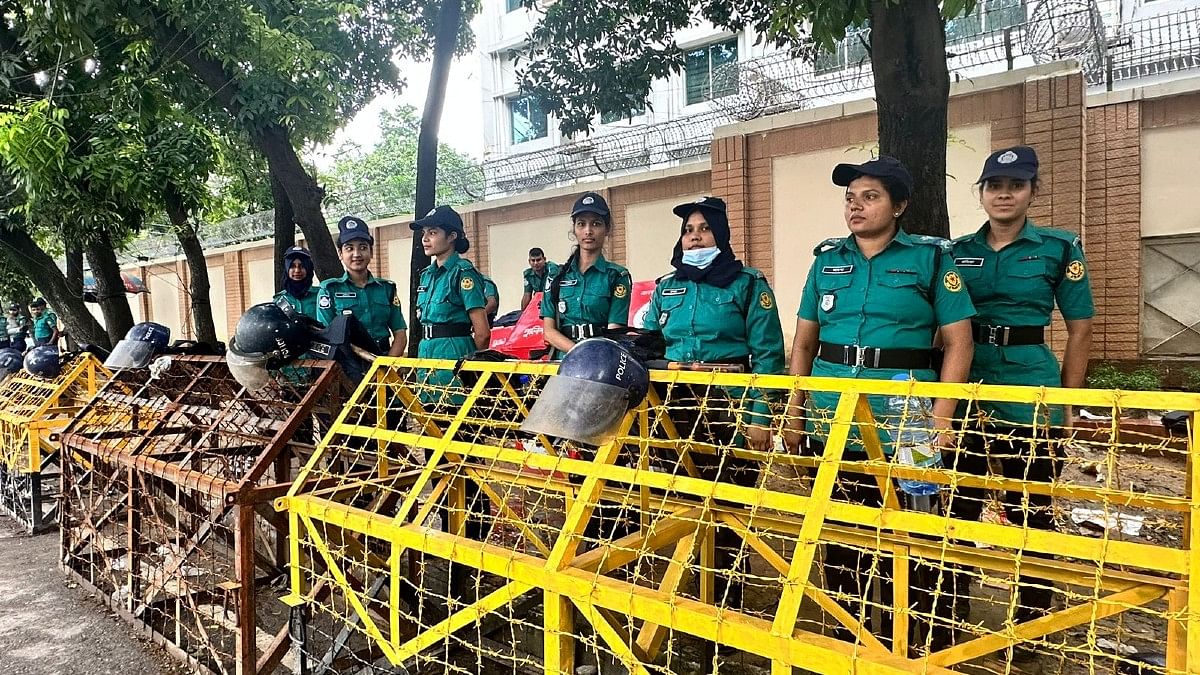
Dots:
(1008, 335)
(584, 331)
(872, 357)
(430, 331)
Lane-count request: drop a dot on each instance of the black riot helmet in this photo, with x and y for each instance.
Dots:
(10, 361)
(267, 337)
(140, 344)
(44, 362)
(598, 381)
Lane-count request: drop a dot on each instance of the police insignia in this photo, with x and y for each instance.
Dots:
(588, 200)
(395, 300)
(1075, 270)
(765, 301)
(467, 284)
(620, 291)
(827, 301)
(324, 302)
(952, 281)
(1007, 158)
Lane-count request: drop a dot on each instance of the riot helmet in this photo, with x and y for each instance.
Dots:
(139, 345)
(267, 337)
(10, 361)
(598, 381)
(43, 361)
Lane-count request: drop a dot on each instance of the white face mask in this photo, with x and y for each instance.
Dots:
(701, 257)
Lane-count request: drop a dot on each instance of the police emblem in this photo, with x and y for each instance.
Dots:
(588, 200)
(324, 302)
(765, 301)
(620, 291)
(1075, 270)
(467, 284)
(431, 212)
(395, 300)
(562, 306)
(1007, 158)
(662, 319)
(952, 281)
(827, 302)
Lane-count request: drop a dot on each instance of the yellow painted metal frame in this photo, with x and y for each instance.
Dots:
(1126, 575)
(34, 408)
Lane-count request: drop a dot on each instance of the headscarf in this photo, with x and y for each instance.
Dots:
(724, 269)
(298, 289)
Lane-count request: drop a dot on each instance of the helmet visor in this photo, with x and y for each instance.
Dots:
(581, 410)
(130, 354)
(250, 370)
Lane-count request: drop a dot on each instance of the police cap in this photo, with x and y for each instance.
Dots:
(1020, 162)
(714, 204)
(590, 202)
(442, 217)
(351, 228)
(880, 167)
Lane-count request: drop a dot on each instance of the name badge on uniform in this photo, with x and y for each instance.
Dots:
(968, 262)
(569, 282)
(827, 301)
(421, 289)
(562, 306)
(321, 349)
(346, 295)
(668, 292)
(837, 269)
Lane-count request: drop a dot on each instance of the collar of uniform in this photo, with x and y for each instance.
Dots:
(451, 262)
(901, 238)
(601, 264)
(345, 278)
(1028, 231)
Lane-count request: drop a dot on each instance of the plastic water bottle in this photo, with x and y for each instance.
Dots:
(915, 445)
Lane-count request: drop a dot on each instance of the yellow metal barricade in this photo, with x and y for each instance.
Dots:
(32, 411)
(167, 513)
(428, 532)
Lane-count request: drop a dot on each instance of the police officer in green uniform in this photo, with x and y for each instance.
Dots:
(45, 323)
(375, 302)
(714, 309)
(870, 309)
(491, 296)
(1016, 272)
(535, 275)
(298, 290)
(589, 294)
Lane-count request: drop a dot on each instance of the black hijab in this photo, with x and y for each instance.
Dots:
(298, 289)
(725, 267)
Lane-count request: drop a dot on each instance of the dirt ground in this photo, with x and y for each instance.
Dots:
(49, 626)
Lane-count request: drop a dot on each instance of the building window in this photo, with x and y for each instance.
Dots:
(634, 110)
(987, 17)
(851, 52)
(528, 119)
(512, 5)
(704, 81)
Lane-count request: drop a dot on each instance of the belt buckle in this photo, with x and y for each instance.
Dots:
(427, 331)
(992, 331)
(859, 355)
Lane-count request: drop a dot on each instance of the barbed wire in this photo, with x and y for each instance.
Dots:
(777, 82)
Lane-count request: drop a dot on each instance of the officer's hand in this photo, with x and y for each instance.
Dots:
(792, 437)
(758, 438)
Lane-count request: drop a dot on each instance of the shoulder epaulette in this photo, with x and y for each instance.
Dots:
(828, 245)
(1069, 237)
(756, 273)
(665, 277)
(929, 240)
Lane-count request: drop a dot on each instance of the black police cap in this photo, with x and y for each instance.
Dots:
(590, 202)
(297, 251)
(704, 203)
(1020, 161)
(444, 217)
(880, 167)
(353, 227)
(38, 302)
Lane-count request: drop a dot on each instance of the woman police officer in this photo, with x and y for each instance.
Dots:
(870, 309)
(589, 294)
(373, 301)
(1015, 273)
(298, 273)
(716, 310)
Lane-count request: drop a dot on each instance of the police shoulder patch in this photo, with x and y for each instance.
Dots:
(324, 302)
(765, 300)
(396, 300)
(620, 291)
(1076, 270)
(952, 281)
(467, 283)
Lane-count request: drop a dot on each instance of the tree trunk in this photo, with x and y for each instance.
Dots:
(25, 254)
(110, 288)
(445, 40)
(199, 286)
(285, 230)
(75, 267)
(912, 90)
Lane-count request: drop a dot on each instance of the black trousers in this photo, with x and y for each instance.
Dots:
(1020, 455)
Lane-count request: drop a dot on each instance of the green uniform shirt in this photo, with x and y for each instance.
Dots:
(446, 294)
(896, 300)
(490, 291)
(306, 305)
(1019, 285)
(535, 282)
(703, 322)
(44, 325)
(376, 305)
(598, 296)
